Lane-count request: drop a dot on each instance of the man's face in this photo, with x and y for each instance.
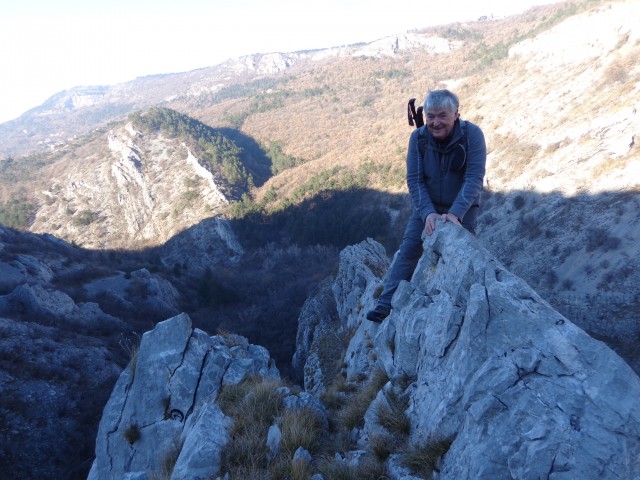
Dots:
(440, 122)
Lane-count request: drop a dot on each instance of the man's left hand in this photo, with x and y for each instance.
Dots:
(450, 217)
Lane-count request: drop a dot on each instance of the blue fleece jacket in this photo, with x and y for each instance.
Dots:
(449, 178)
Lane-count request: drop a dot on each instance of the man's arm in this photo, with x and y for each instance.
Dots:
(415, 178)
(474, 175)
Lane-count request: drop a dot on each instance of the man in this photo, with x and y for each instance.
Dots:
(445, 170)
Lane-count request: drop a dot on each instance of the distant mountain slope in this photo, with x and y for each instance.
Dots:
(137, 184)
(76, 111)
(315, 144)
(555, 91)
(565, 168)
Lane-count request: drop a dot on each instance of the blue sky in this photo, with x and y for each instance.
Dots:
(48, 46)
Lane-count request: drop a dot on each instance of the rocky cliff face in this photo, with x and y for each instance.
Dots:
(484, 365)
(521, 391)
(134, 191)
(163, 404)
(63, 314)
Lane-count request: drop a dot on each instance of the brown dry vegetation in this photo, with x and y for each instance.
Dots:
(341, 112)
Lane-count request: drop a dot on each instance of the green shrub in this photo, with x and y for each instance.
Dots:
(393, 73)
(485, 55)
(84, 218)
(459, 33)
(17, 213)
(279, 160)
(315, 91)
(189, 196)
(599, 238)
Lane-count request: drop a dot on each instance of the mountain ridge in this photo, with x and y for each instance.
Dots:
(470, 359)
(338, 124)
(158, 89)
(325, 145)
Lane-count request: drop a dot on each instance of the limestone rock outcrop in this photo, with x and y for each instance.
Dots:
(163, 407)
(519, 390)
(483, 364)
(136, 290)
(140, 190)
(318, 312)
(331, 313)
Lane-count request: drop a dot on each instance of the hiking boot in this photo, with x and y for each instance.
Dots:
(378, 314)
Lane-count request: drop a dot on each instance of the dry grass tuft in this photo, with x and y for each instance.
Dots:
(368, 469)
(253, 402)
(285, 468)
(391, 415)
(132, 349)
(352, 415)
(167, 464)
(246, 450)
(423, 459)
(253, 405)
(300, 428)
(381, 446)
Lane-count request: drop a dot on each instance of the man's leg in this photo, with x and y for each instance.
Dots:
(402, 267)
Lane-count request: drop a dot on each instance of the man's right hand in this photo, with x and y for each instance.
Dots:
(430, 223)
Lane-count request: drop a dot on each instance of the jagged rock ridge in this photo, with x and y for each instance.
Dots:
(162, 402)
(519, 390)
(522, 391)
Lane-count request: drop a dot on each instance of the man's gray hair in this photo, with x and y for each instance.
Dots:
(440, 99)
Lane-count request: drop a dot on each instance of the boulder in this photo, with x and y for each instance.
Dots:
(38, 301)
(140, 290)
